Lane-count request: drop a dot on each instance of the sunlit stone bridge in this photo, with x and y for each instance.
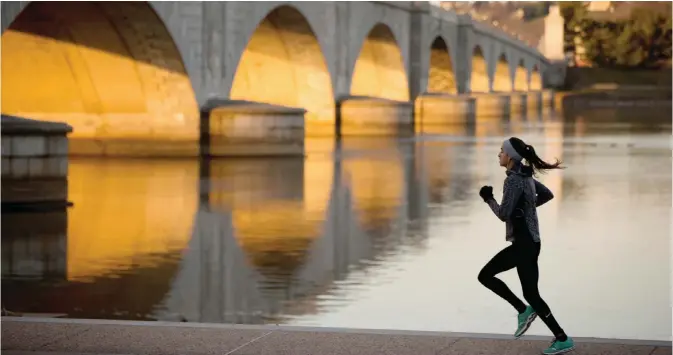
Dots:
(255, 78)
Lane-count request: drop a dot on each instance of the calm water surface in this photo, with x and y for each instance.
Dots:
(368, 234)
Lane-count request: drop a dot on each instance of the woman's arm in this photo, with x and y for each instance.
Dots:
(510, 195)
(544, 195)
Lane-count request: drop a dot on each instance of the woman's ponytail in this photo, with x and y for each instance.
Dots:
(534, 161)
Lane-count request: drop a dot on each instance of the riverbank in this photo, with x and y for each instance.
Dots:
(41, 336)
(586, 78)
(641, 98)
(614, 88)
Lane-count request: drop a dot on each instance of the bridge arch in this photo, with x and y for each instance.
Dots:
(379, 70)
(441, 76)
(479, 78)
(535, 78)
(502, 80)
(521, 77)
(283, 64)
(109, 69)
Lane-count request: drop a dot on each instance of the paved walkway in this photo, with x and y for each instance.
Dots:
(41, 336)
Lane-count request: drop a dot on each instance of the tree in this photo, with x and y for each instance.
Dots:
(651, 33)
(600, 42)
(574, 13)
(641, 41)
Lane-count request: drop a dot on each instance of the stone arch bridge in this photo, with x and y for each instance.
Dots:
(138, 78)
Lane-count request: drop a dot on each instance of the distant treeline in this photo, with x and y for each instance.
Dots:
(641, 40)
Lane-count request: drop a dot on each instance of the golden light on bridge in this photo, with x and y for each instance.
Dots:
(109, 69)
(379, 70)
(283, 65)
(479, 75)
(502, 81)
(441, 78)
(535, 79)
(521, 78)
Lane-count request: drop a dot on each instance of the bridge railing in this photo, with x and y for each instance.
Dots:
(436, 10)
(505, 37)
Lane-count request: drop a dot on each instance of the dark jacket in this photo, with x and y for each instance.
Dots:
(521, 196)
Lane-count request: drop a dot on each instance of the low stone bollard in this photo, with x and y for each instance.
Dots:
(245, 128)
(371, 116)
(34, 162)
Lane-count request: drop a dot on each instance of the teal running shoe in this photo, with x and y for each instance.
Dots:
(560, 347)
(525, 320)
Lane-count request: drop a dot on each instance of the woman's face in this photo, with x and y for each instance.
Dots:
(503, 158)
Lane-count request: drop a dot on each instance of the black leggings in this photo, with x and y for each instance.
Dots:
(522, 256)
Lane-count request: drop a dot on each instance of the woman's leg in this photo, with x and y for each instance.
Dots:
(505, 260)
(529, 275)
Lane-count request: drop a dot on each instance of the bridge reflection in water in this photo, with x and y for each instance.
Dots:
(350, 235)
(244, 241)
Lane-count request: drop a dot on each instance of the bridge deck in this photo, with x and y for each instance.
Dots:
(67, 336)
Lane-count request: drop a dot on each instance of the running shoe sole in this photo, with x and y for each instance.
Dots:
(529, 321)
(560, 351)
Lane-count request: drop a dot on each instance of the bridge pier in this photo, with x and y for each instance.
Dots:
(245, 128)
(492, 104)
(443, 109)
(371, 116)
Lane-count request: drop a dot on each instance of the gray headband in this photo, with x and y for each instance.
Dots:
(508, 148)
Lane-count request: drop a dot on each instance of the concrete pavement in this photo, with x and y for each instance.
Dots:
(42, 336)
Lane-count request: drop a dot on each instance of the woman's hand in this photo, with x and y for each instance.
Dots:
(486, 192)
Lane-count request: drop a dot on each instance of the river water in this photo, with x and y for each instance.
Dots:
(369, 233)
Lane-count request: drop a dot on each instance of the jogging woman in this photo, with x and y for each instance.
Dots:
(522, 194)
